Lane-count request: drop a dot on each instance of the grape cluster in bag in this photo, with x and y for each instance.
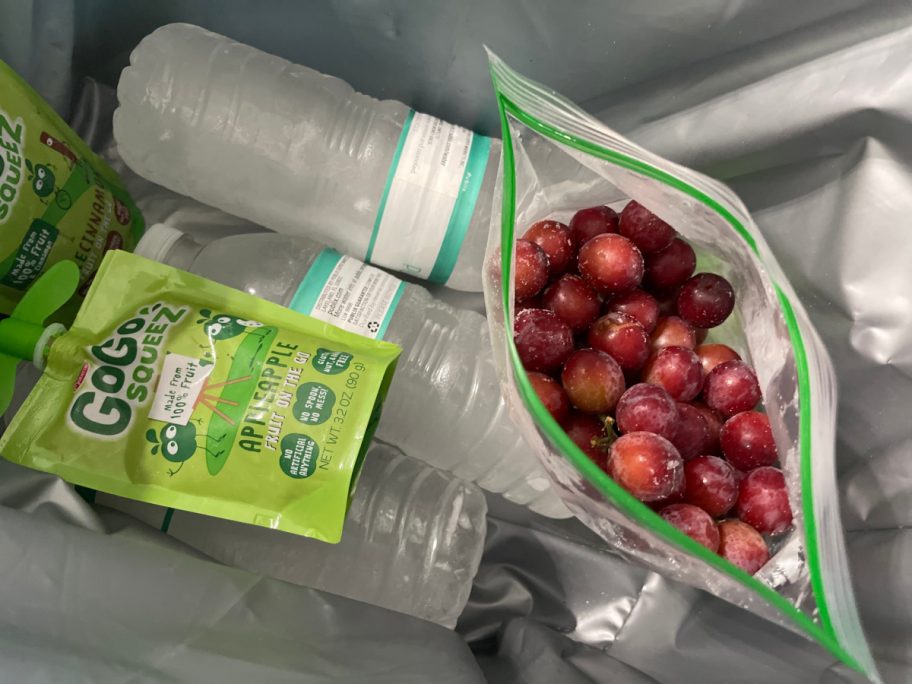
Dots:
(574, 327)
(619, 368)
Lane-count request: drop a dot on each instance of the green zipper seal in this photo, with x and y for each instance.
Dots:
(636, 510)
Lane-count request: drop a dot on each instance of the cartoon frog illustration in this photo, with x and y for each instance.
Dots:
(178, 443)
(42, 177)
(44, 184)
(223, 326)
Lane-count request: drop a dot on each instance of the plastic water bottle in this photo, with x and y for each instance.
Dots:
(412, 541)
(304, 154)
(444, 405)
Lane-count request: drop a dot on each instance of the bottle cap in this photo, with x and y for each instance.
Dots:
(158, 241)
(24, 336)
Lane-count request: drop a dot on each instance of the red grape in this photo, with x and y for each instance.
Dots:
(552, 395)
(677, 496)
(731, 388)
(623, 338)
(702, 334)
(573, 301)
(611, 263)
(587, 223)
(646, 465)
(677, 370)
(763, 501)
(692, 436)
(593, 381)
(710, 483)
(586, 431)
(645, 229)
(542, 339)
(669, 267)
(742, 545)
(714, 425)
(694, 522)
(711, 355)
(667, 305)
(647, 408)
(637, 303)
(531, 303)
(671, 331)
(530, 269)
(747, 440)
(554, 239)
(705, 300)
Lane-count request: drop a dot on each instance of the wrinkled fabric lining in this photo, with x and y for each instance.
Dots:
(803, 108)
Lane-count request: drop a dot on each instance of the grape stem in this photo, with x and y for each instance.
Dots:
(609, 434)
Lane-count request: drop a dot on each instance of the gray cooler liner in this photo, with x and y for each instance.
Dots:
(805, 109)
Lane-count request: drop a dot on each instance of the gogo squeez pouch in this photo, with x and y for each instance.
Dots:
(175, 390)
(58, 199)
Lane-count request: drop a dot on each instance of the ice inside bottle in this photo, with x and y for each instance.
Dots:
(412, 541)
(304, 154)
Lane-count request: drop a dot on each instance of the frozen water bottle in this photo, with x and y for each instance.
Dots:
(412, 541)
(304, 154)
(444, 405)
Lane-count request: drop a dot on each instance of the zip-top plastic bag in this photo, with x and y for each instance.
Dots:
(805, 585)
(175, 390)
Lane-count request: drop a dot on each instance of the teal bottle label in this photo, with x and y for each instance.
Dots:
(429, 199)
(349, 294)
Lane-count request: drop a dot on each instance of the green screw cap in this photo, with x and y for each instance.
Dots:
(24, 336)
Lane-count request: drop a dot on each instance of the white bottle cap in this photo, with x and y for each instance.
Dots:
(158, 241)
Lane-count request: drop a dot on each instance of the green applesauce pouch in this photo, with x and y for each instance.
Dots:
(175, 390)
(58, 199)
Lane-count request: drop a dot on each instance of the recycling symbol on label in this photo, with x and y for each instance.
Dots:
(373, 326)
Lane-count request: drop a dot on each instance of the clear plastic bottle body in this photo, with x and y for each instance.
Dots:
(412, 541)
(444, 405)
(273, 142)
